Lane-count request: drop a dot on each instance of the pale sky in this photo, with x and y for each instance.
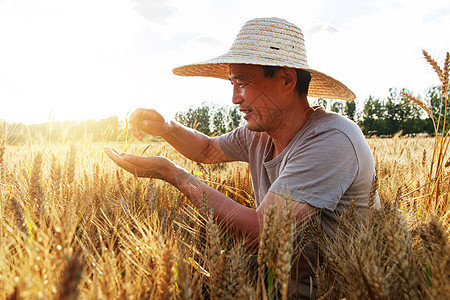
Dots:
(80, 59)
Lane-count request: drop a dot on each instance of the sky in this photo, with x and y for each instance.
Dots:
(91, 59)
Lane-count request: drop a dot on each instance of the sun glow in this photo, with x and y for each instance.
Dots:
(74, 60)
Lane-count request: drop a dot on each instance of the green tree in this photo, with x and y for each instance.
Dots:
(235, 118)
(220, 120)
(337, 107)
(350, 110)
(434, 94)
(198, 118)
(372, 117)
(322, 102)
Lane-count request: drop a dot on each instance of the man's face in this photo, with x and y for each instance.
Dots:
(257, 97)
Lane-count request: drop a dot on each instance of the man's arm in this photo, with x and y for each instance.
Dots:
(195, 145)
(242, 220)
(189, 142)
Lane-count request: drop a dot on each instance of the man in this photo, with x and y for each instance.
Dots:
(319, 160)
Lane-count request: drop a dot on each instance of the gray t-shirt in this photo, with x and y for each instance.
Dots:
(327, 164)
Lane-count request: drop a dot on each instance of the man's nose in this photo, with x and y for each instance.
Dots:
(237, 97)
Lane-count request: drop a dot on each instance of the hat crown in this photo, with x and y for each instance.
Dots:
(271, 39)
(269, 42)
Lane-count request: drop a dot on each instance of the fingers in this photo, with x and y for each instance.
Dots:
(136, 132)
(132, 159)
(121, 162)
(135, 122)
(115, 151)
(148, 126)
(146, 121)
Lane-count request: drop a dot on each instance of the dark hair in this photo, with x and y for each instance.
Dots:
(303, 78)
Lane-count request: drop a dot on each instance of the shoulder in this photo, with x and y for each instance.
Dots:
(241, 143)
(243, 135)
(322, 120)
(323, 123)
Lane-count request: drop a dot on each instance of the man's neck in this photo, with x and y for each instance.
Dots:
(291, 124)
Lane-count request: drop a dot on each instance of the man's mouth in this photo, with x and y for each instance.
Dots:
(247, 112)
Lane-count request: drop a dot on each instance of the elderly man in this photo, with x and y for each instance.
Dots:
(319, 160)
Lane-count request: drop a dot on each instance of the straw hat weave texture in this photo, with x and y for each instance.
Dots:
(269, 42)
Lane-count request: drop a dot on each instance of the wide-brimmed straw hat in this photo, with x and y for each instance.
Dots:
(269, 42)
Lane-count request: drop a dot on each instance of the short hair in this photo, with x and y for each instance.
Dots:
(303, 78)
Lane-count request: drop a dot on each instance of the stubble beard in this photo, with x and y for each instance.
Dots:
(256, 126)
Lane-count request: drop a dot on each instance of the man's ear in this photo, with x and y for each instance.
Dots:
(289, 76)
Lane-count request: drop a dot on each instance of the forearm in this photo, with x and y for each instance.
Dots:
(189, 142)
(240, 219)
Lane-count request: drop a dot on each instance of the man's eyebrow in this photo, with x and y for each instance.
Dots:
(236, 77)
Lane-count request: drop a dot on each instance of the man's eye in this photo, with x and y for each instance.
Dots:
(238, 83)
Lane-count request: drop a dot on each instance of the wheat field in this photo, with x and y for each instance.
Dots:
(74, 225)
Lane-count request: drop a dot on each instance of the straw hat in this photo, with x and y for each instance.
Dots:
(269, 42)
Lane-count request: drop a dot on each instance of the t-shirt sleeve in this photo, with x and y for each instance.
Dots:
(319, 171)
(234, 144)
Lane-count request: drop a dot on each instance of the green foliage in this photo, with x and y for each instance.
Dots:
(235, 118)
(398, 114)
(338, 107)
(350, 110)
(198, 118)
(210, 119)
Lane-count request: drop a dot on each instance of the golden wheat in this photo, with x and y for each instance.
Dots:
(76, 226)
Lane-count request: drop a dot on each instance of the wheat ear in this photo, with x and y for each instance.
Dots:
(373, 191)
(285, 249)
(267, 244)
(419, 103)
(435, 66)
(71, 276)
(217, 261)
(19, 216)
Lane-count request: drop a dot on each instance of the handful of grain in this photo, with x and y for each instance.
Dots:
(137, 121)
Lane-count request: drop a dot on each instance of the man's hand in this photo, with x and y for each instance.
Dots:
(147, 121)
(151, 167)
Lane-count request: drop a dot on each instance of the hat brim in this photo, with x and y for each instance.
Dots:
(321, 85)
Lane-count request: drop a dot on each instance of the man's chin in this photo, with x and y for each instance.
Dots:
(254, 127)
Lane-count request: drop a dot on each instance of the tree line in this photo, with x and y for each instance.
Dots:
(396, 113)
(377, 117)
